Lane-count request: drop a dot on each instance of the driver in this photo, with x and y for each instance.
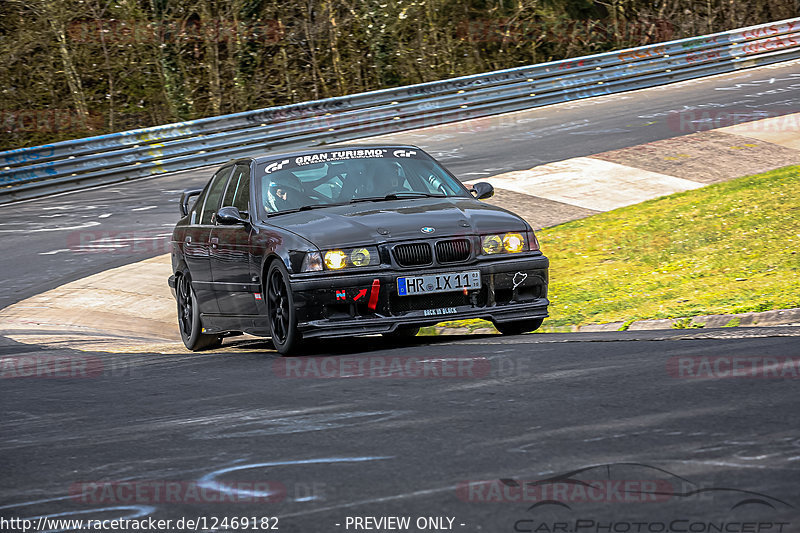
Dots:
(284, 192)
(385, 177)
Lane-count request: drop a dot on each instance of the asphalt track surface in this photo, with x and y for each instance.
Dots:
(533, 407)
(354, 446)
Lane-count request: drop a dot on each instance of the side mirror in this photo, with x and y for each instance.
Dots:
(184, 203)
(228, 216)
(482, 190)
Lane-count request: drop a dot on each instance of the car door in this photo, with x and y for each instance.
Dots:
(230, 251)
(197, 244)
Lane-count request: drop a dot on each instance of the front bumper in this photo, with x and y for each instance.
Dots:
(513, 288)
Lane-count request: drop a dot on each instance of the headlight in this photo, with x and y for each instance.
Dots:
(351, 257)
(360, 257)
(511, 243)
(492, 244)
(335, 259)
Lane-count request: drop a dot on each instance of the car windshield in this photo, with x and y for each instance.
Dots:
(348, 176)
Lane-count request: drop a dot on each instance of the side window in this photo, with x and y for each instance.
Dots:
(197, 207)
(214, 194)
(238, 192)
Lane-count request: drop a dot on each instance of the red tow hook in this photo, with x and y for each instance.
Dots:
(373, 295)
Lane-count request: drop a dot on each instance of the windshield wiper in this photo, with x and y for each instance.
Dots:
(315, 206)
(301, 208)
(391, 196)
(397, 196)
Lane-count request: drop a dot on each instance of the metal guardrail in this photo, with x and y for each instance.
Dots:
(30, 172)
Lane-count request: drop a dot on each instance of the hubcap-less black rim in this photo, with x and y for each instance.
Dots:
(278, 307)
(185, 309)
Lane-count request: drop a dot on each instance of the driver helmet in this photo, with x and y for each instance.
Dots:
(284, 192)
(386, 177)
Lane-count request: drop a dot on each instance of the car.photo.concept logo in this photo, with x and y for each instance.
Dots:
(629, 498)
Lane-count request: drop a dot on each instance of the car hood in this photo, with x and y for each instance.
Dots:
(373, 222)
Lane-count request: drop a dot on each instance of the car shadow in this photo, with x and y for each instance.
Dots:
(334, 347)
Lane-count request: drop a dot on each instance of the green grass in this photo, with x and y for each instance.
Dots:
(472, 324)
(733, 322)
(732, 247)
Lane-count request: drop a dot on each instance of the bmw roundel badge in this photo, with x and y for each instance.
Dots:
(428, 229)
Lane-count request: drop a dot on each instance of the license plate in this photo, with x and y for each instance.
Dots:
(432, 283)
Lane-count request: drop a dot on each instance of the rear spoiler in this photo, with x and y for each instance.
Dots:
(184, 203)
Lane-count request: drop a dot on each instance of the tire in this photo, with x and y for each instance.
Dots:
(519, 327)
(281, 314)
(189, 317)
(402, 333)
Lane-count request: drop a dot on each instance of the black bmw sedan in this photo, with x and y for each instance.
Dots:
(351, 240)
